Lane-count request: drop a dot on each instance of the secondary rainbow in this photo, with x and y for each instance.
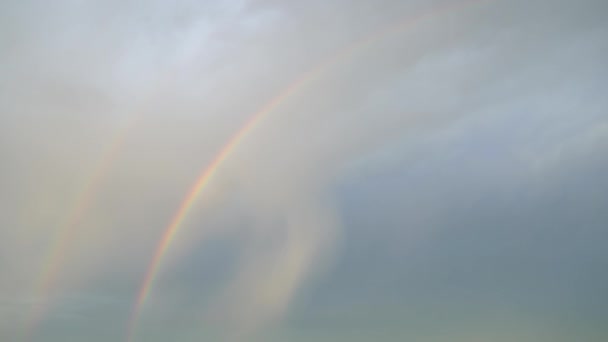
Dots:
(207, 174)
(64, 237)
(56, 255)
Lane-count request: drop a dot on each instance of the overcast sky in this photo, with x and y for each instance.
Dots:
(427, 171)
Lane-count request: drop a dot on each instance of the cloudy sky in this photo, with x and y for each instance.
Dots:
(389, 170)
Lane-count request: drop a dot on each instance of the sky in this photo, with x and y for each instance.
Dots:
(332, 170)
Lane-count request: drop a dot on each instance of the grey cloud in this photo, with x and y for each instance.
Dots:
(423, 135)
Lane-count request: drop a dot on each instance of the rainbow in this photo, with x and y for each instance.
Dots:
(254, 121)
(50, 270)
(63, 238)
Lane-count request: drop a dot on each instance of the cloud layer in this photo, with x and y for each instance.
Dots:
(465, 133)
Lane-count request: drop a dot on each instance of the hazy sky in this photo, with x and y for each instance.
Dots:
(423, 170)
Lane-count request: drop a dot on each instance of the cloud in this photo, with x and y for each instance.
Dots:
(401, 134)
